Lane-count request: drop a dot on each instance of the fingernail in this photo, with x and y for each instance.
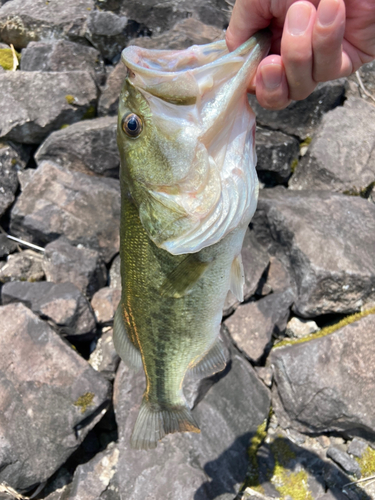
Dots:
(327, 12)
(271, 75)
(298, 18)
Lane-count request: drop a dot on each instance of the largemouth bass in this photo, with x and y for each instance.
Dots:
(189, 189)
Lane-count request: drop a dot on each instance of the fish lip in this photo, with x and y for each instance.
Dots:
(130, 55)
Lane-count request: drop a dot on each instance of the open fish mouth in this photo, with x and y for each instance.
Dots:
(198, 103)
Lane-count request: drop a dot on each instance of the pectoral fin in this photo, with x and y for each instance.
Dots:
(237, 278)
(183, 277)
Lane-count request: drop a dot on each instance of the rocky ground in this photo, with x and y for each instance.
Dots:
(292, 415)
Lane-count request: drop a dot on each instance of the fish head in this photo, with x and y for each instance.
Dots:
(186, 141)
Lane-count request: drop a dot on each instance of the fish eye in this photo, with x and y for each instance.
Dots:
(132, 125)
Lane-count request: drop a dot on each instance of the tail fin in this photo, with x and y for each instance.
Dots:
(153, 423)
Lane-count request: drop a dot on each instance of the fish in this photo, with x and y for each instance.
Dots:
(189, 189)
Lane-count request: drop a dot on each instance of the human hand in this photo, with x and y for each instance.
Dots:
(312, 41)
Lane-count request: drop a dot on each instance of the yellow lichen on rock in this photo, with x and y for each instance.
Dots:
(367, 462)
(84, 401)
(6, 58)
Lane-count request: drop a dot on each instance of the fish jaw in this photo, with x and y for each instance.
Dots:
(196, 181)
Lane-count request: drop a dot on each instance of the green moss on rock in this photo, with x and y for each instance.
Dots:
(90, 113)
(328, 329)
(70, 99)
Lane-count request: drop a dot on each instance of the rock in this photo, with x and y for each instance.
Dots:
(324, 385)
(107, 32)
(65, 263)
(301, 118)
(62, 304)
(94, 479)
(115, 273)
(265, 374)
(35, 103)
(24, 21)
(88, 146)
(7, 246)
(357, 447)
(276, 152)
(10, 163)
(253, 324)
(104, 304)
(63, 55)
(275, 279)
(341, 156)
(367, 76)
(250, 494)
(104, 358)
(159, 17)
(316, 235)
(299, 328)
(22, 266)
(50, 398)
(24, 177)
(203, 466)
(184, 34)
(108, 101)
(83, 208)
(342, 459)
(255, 261)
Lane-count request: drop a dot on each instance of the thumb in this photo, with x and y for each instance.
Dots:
(248, 16)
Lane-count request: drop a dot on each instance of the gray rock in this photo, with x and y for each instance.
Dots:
(108, 101)
(65, 263)
(83, 208)
(22, 266)
(115, 273)
(301, 118)
(183, 34)
(276, 152)
(342, 459)
(63, 55)
(107, 32)
(324, 385)
(255, 261)
(367, 75)
(357, 447)
(61, 304)
(161, 16)
(253, 324)
(10, 163)
(104, 357)
(88, 146)
(209, 465)
(94, 479)
(276, 278)
(341, 156)
(24, 176)
(50, 398)
(104, 304)
(34, 103)
(326, 240)
(7, 246)
(24, 21)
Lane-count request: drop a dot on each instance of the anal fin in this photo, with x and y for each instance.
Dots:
(182, 279)
(212, 362)
(123, 345)
(237, 278)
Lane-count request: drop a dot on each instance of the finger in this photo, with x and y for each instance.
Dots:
(328, 34)
(296, 49)
(271, 84)
(248, 16)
